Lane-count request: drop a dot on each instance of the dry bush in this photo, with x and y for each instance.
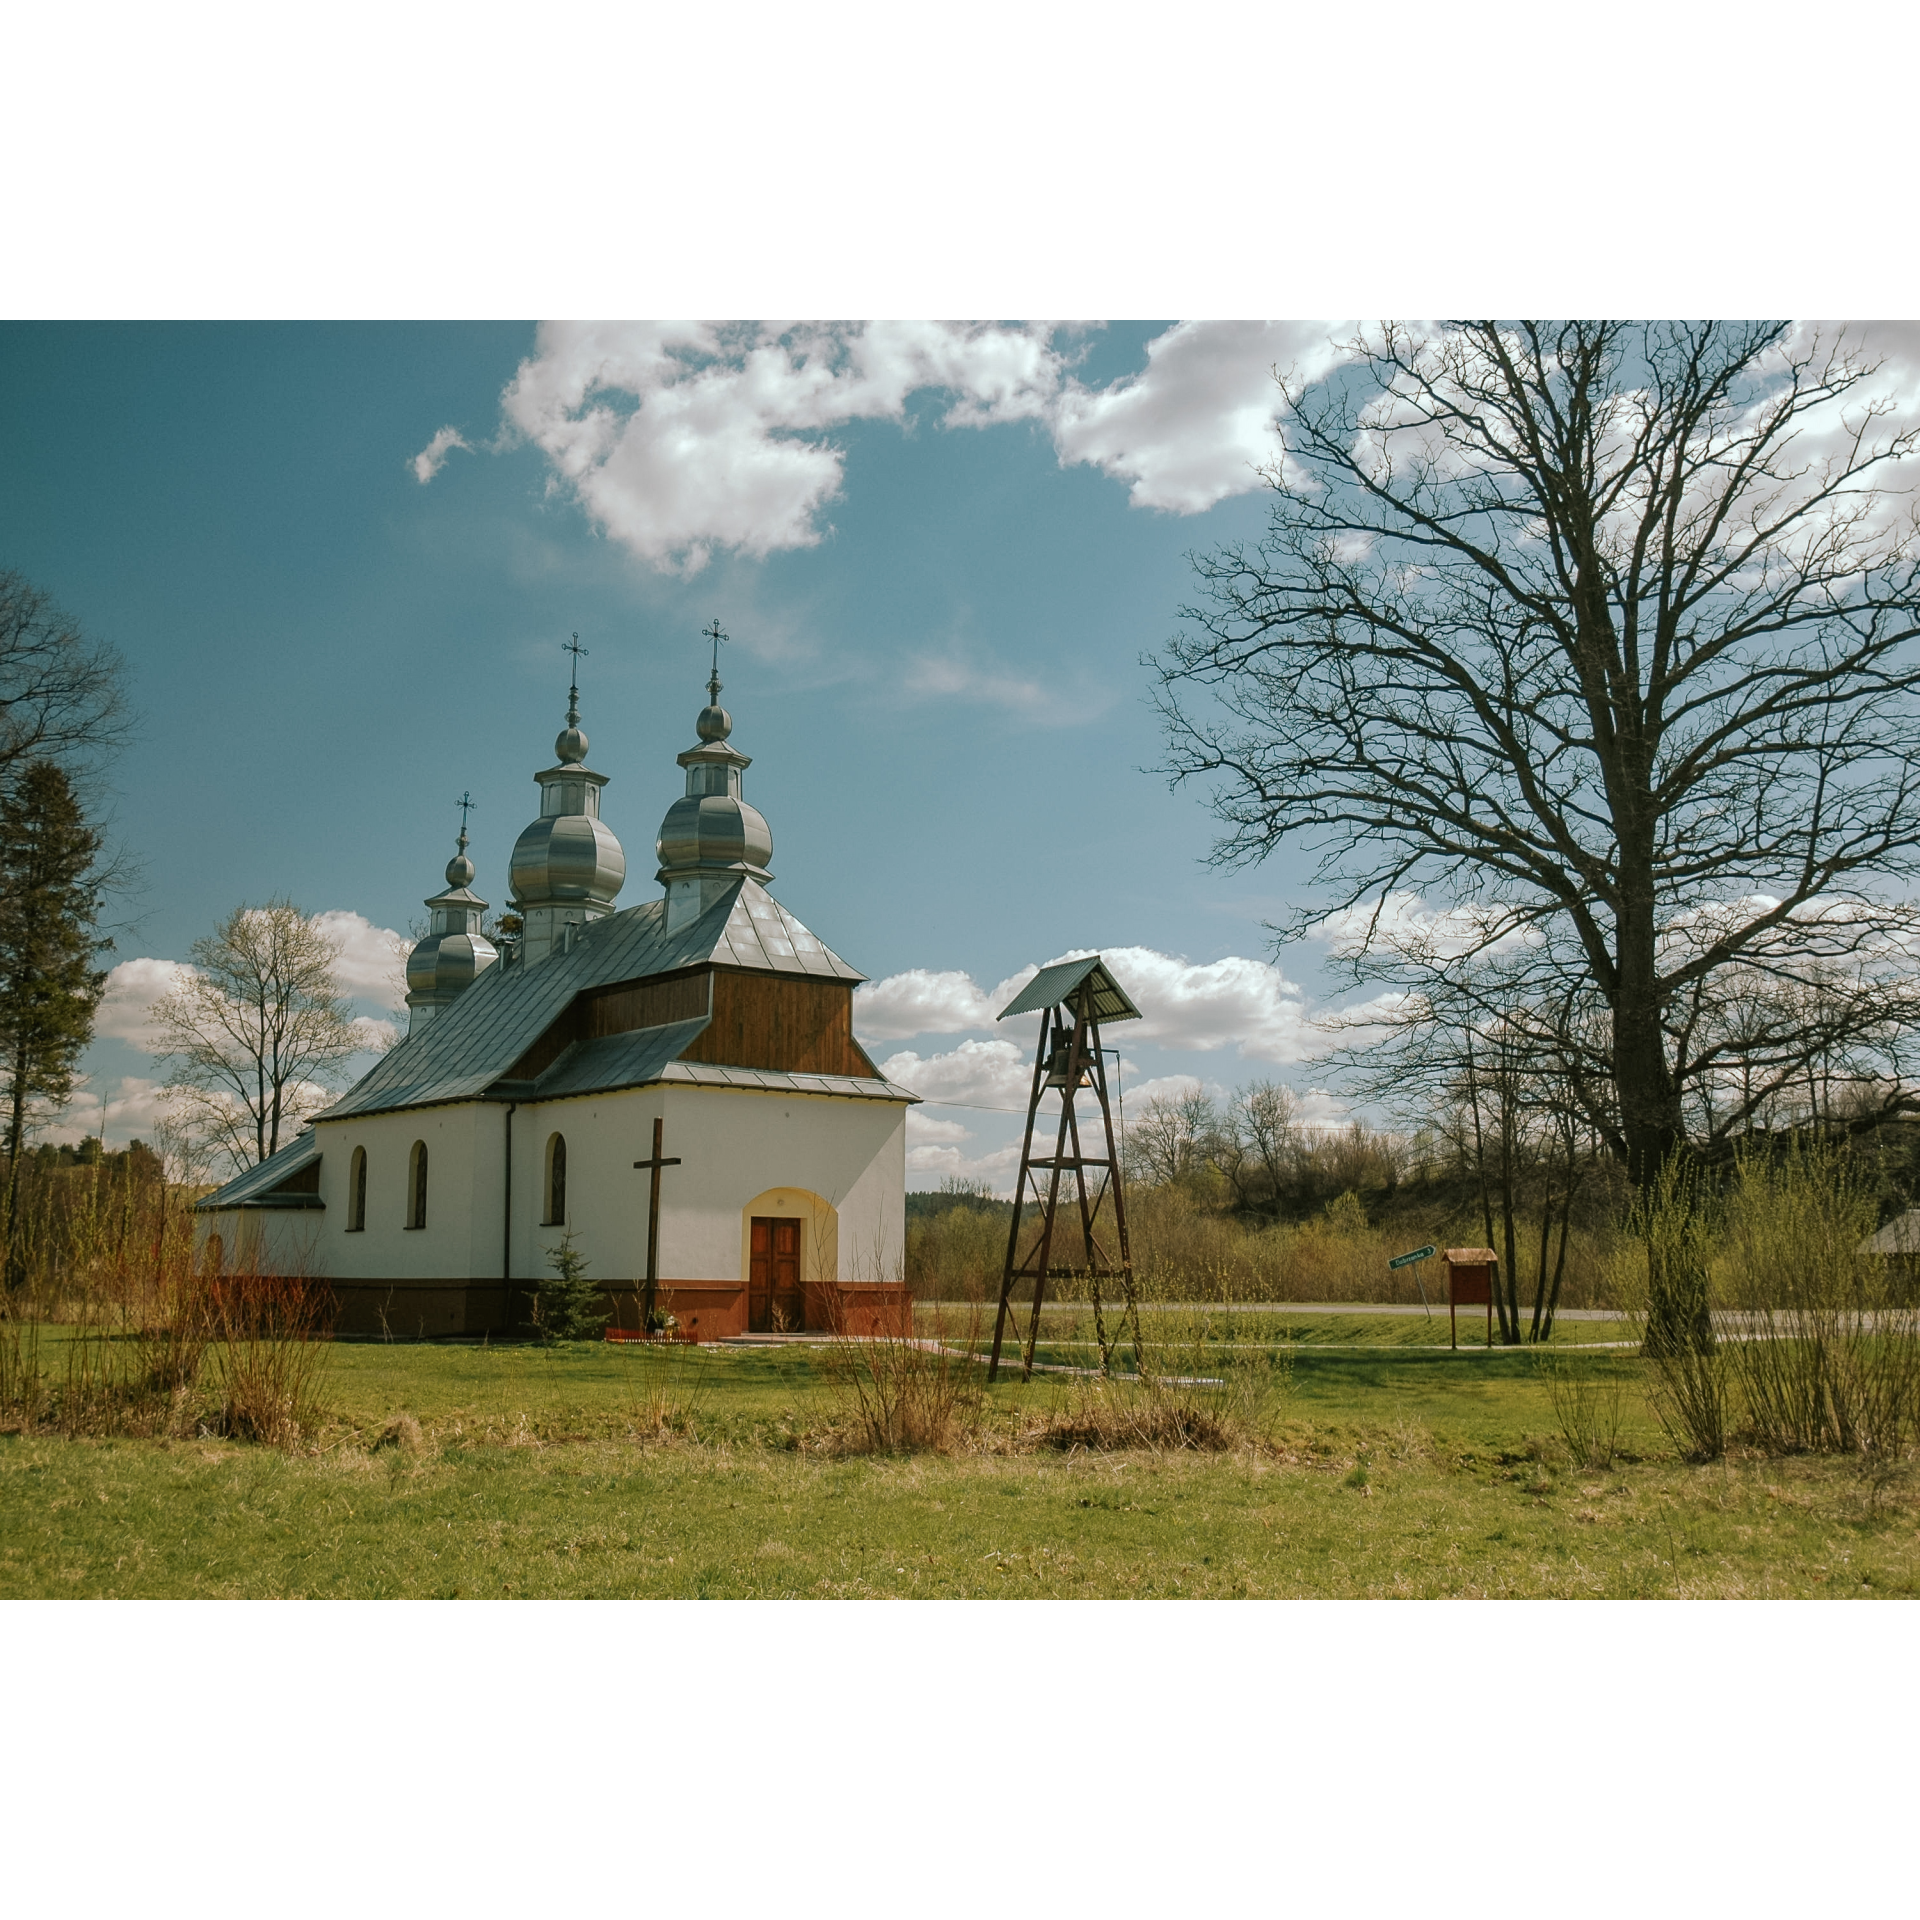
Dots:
(893, 1393)
(272, 1332)
(401, 1434)
(666, 1382)
(1589, 1403)
(1823, 1338)
(1111, 1416)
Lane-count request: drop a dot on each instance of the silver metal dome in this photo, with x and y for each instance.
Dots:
(711, 837)
(567, 866)
(455, 952)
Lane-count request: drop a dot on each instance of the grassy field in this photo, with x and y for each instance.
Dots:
(1376, 1466)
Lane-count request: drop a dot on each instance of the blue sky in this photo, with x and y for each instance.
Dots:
(937, 630)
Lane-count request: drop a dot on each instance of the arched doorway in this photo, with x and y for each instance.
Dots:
(791, 1254)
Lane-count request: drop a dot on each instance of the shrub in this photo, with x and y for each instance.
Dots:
(569, 1306)
(1824, 1341)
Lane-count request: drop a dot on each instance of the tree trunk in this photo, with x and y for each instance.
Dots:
(1650, 1120)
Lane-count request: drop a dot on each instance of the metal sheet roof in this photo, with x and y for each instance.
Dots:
(1060, 981)
(1899, 1237)
(248, 1189)
(461, 1052)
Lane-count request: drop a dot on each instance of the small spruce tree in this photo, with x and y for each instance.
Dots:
(50, 887)
(568, 1306)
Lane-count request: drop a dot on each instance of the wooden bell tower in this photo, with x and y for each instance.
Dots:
(1073, 999)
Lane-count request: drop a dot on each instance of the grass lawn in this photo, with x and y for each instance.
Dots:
(602, 1470)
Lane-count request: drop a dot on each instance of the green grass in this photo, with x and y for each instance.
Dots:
(608, 1471)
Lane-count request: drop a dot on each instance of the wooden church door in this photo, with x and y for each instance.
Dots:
(774, 1300)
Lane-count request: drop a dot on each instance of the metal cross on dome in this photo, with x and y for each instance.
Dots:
(719, 637)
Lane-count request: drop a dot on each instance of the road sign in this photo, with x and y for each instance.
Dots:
(1407, 1259)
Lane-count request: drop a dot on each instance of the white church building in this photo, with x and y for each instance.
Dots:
(523, 1100)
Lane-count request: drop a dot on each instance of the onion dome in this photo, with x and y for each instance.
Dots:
(455, 952)
(567, 866)
(710, 838)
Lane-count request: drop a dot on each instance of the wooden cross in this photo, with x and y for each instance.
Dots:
(653, 1223)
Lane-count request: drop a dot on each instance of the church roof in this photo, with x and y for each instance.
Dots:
(471, 1044)
(254, 1188)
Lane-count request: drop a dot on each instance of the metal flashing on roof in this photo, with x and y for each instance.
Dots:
(773, 1080)
(1063, 981)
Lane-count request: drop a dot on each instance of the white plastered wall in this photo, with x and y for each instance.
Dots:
(462, 1237)
(839, 1163)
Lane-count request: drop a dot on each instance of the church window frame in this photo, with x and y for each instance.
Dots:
(357, 1191)
(554, 1214)
(417, 1188)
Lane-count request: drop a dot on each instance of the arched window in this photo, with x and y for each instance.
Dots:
(357, 1191)
(417, 1188)
(556, 1215)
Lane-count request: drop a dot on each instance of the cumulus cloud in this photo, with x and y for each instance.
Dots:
(1402, 922)
(372, 959)
(1246, 1004)
(134, 1109)
(133, 989)
(919, 1001)
(1198, 423)
(433, 456)
(680, 439)
(978, 1073)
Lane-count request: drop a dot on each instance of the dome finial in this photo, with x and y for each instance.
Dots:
(460, 868)
(716, 722)
(571, 747)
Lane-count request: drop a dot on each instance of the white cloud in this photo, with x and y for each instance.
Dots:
(682, 438)
(133, 988)
(990, 1074)
(433, 456)
(1198, 423)
(372, 959)
(1402, 922)
(928, 1166)
(1246, 1004)
(679, 437)
(919, 1001)
(948, 678)
(924, 1130)
(134, 1107)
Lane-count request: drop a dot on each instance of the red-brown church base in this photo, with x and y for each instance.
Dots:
(704, 1309)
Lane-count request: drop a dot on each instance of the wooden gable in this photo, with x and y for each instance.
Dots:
(791, 1023)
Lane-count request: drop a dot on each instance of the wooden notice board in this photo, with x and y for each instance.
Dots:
(1470, 1272)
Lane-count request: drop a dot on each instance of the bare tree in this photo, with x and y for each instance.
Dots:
(257, 1030)
(1168, 1136)
(1607, 632)
(60, 692)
